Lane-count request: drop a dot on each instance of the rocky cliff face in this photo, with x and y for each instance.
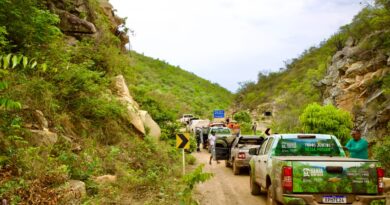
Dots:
(351, 84)
(78, 18)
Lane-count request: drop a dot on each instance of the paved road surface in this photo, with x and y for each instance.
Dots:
(224, 188)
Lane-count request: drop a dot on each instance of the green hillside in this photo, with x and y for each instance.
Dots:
(298, 84)
(61, 123)
(155, 81)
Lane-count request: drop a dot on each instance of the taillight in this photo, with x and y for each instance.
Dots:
(241, 155)
(380, 173)
(287, 181)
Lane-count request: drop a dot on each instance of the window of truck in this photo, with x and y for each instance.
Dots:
(307, 147)
(250, 141)
(222, 131)
(270, 141)
(263, 147)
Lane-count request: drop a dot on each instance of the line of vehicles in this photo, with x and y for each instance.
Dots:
(299, 168)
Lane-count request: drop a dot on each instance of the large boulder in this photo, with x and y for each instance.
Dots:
(72, 24)
(122, 91)
(73, 193)
(42, 137)
(140, 119)
(150, 124)
(132, 108)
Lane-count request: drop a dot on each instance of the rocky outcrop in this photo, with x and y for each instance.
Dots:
(73, 192)
(78, 19)
(351, 84)
(152, 128)
(42, 138)
(140, 119)
(105, 179)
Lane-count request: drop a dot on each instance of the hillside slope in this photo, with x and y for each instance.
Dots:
(66, 137)
(349, 70)
(173, 88)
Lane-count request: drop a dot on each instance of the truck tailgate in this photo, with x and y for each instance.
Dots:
(332, 176)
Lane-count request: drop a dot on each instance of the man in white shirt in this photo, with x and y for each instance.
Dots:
(212, 139)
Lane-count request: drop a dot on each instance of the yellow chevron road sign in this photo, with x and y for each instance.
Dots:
(183, 140)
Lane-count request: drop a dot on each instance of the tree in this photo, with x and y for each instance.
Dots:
(242, 117)
(326, 120)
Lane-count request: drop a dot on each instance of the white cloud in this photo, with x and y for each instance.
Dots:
(229, 41)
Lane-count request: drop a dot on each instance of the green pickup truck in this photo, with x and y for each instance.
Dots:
(312, 169)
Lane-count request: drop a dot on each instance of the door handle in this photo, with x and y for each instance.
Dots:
(265, 161)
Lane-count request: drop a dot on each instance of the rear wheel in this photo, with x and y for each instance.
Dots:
(271, 199)
(236, 169)
(227, 163)
(255, 188)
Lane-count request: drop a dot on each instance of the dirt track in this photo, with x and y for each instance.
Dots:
(224, 188)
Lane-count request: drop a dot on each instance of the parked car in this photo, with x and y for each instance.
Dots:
(198, 123)
(238, 157)
(312, 169)
(185, 118)
(221, 131)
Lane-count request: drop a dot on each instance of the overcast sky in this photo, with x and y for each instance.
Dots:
(231, 41)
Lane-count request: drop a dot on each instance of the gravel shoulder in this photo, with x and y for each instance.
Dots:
(224, 188)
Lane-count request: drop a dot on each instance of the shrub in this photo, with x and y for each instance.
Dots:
(242, 116)
(381, 152)
(326, 120)
(191, 180)
(190, 159)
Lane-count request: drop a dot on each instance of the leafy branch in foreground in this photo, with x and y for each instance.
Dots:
(191, 180)
(15, 62)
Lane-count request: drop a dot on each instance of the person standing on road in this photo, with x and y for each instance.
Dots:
(358, 146)
(254, 127)
(212, 139)
(198, 136)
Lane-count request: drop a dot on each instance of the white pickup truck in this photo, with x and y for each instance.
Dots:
(239, 156)
(313, 169)
(235, 150)
(186, 118)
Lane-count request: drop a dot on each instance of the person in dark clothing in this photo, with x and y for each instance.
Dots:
(198, 135)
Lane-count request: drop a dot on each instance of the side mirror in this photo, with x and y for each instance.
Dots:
(253, 151)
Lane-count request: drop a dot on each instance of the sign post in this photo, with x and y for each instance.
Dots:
(182, 142)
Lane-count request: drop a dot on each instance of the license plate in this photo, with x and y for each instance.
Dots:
(334, 199)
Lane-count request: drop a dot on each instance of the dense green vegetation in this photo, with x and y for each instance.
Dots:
(70, 83)
(159, 86)
(327, 119)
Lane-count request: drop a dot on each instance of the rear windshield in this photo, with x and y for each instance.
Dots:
(222, 131)
(307, 147)
(250, 141)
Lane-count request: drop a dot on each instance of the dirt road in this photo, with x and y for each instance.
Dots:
(224, 188)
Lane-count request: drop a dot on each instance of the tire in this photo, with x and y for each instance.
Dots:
(227, 163)
(255, 188)
(236, 170)
(271, 196)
